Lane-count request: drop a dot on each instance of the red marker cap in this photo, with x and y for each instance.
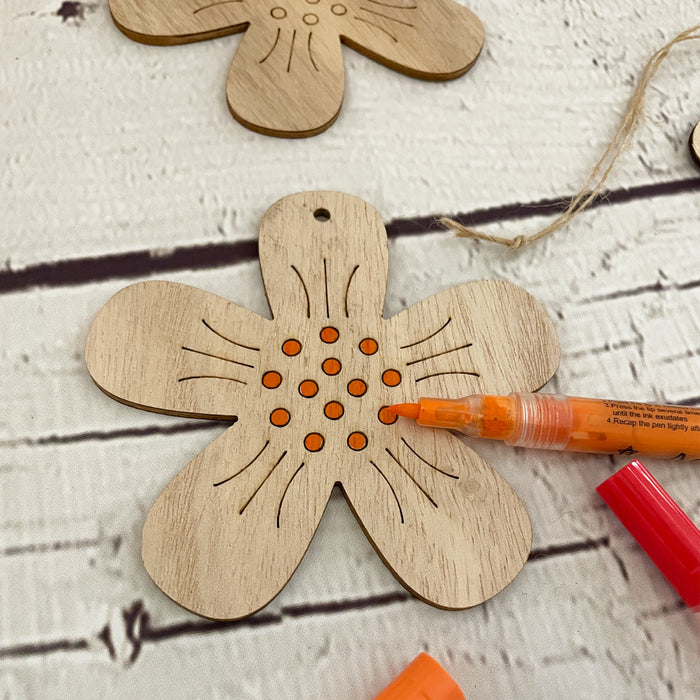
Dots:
(662, 529)
(422, 679)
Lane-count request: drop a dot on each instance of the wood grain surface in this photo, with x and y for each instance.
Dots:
(309, 392)
(287, 77)
(118, 169)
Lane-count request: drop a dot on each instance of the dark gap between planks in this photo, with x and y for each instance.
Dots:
(214, 255)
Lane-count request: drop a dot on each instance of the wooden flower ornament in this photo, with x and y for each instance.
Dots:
(287, 76)
(309, 390)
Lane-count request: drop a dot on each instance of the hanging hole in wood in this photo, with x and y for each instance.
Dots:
(322, 215)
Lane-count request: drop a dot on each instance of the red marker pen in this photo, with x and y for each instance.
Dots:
(553, 422)
(662, 529)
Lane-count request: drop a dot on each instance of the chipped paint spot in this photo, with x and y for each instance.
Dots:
(71, 10)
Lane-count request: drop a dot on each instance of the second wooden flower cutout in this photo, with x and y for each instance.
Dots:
(309, 390)
(287, 76)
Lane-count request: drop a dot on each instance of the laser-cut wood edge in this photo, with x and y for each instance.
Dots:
(179, 545)
(430, 41)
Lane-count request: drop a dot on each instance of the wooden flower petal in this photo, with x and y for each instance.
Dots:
(430, 39)
(324, 257)
(227, 533)
(287, 78)
(445, 523)
(480, 337)
(180, 21)
(175, 349)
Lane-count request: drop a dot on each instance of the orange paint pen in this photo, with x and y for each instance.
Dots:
(554, 422)
(422, 679)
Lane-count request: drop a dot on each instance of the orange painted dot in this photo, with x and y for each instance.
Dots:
(368, 346)
(357, 387)
(313, 442)
(391, 377)
(279, 417)
(291, 347)
(331, 366)
(271, 380)
(329, 334)
(357, 441)
(386, 417)
(308, 388)
(333, 410)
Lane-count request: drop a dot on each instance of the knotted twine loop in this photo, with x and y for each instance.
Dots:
(594, 184)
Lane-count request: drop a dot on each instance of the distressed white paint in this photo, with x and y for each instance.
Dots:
(109, 146)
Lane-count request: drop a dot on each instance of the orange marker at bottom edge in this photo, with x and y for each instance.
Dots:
(555, 422)
(422, 679)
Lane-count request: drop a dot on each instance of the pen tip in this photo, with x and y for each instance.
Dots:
(407, 410)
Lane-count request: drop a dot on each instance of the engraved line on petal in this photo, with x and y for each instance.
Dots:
(228, 340)
(291, 50)
(274, 46)
(396, 498)
(279, 508)
(376, 26)
(306, 291)
(425, 461)
(438, 354)
(391, 19)
(428, 337)
(347, 289)
(222, 2)
(394, 7)
(406, 472)
(311, 56)
(211, 376)
(267, 476)
(440, 374)
(218, 357)
(240, 471)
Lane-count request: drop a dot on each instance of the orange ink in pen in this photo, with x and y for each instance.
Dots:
(554, 422)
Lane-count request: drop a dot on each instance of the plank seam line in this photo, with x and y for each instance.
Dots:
(137, 264)
(200, 626)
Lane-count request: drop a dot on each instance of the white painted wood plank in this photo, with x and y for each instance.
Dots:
(520, 644)
(108, 145)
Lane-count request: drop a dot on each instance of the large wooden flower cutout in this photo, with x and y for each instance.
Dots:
(287, 76)
(309, 390)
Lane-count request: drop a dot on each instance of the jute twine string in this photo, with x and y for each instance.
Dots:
(594, 184)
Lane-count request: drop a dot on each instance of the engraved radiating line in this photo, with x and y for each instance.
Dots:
(274, 46)
(306, 291)
(274, 466)
(396, 498)
(440, 374)
(420, 488)
(291, 50)
(215, 4)
(228, 340)
(376, 26)
(325, 285)
(425, 461)
(311, 56)
(394, 7)
(437, 354)
(240, 471)
(347, 289)
(428, 337)
(279, 508)
(211, 376)
(391, 19)
(218, 357)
